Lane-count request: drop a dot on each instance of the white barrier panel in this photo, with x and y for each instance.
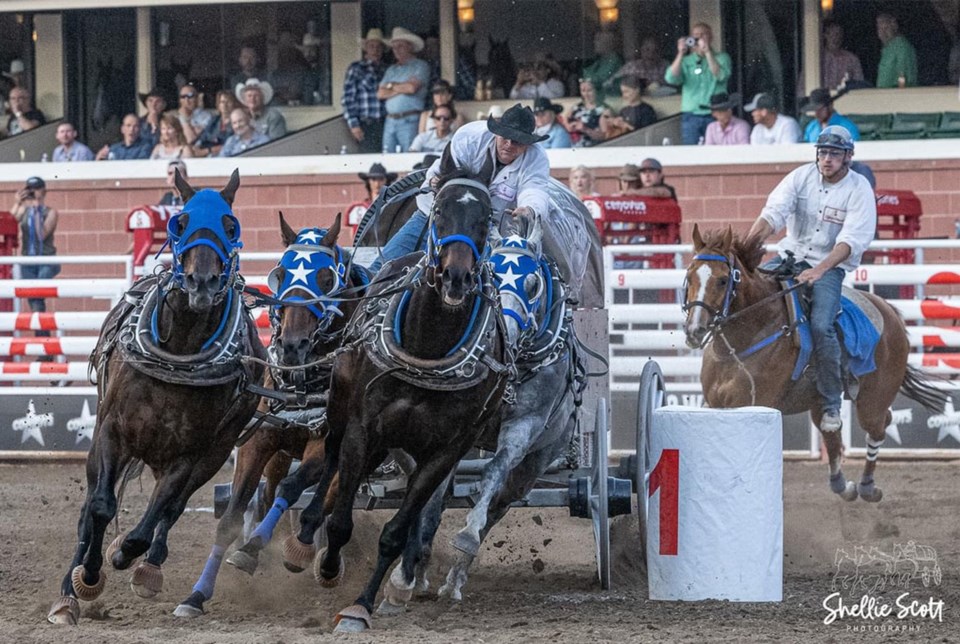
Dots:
(81, 321)
(109, 288)
(715, 517)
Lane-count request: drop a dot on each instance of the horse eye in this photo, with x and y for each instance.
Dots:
(723, 281)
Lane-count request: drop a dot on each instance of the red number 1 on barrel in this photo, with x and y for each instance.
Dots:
(666, 478)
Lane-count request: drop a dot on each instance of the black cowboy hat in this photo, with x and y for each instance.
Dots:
(818, 98)
(427, 162)
(546, 105)
(379, 172)
(153, 92)
(516, 124)
(722, 102)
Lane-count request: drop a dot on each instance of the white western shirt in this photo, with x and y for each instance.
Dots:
(819, 215)
(522, 183)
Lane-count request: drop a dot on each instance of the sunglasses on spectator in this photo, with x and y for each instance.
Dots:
(443, 118)
(190, 95)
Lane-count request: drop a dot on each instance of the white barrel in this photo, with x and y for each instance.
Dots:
(715, 514)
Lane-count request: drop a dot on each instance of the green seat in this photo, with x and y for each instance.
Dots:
(875, 121)
(903, 130)
(930, 120)
(945, 132)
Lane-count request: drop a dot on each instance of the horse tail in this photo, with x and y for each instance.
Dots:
(920, 387)
(133, 470)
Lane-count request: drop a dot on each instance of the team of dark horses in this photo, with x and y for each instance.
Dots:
(414, 363)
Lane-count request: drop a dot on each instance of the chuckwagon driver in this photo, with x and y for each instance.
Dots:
(503, 154)
(830, 215)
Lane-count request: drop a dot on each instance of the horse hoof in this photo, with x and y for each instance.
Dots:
(114, 547)
(450, 592)
(296, 554)
(334, 581)
(871, 493)
(191, 607)
(147, 580)
(83, 591)
(65, 610)
(243, 561)
(389, 609)
(353, 619)
(466, 543)
(850, 493)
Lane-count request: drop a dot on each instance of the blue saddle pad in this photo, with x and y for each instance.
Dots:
(860, 339)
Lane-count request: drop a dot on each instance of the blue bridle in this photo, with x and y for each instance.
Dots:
(436, 243)
(731, 292)
(205, 211)
(303, 259)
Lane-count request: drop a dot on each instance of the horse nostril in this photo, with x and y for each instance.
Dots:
(190, 281)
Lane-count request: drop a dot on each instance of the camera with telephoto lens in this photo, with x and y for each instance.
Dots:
(691, 42)
(30, 195)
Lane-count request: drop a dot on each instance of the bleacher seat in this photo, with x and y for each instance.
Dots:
(930, 120)
(870, 124)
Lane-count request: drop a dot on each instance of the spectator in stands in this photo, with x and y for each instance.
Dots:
(582, 182)
(218, 130)
(611, 125)
(172, 143)
(362, 108)
(70, 149)
(376, 179)
(820, 103)
(287, 79)
(403, 89)
(172, 196)
(634, 113)
(645, 181)
(23, 116)
(700, 72)
(532, 82)
(256, 95)
(769, 126)
(150, 123)
(584, 119)
(131, 146)
(316, 77)
(245, 136)
(606, 63)
(38, 222)
(837, 65)
(249, 62)
(898, 58)
(726, 128)
(545, 113)
(427, 161)
(436, 139)
(442, 94)
(629, 178)
(649, 66)
(193, 118)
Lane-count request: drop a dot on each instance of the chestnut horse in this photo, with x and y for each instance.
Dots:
(172, 389)
(308, 325)
(732, 307)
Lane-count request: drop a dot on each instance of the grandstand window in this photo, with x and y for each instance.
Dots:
(16, 51)
(288, 42)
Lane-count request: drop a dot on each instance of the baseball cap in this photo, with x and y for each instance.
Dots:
(36, 183)
(761, 101)
(650, 164)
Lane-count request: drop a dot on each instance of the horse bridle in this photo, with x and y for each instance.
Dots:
(717, 317)
(228, 248)
(525, 316)
(435, 243)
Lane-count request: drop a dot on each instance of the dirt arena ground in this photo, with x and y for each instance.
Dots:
(534, 582)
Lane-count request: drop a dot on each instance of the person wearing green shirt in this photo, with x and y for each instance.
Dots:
(898, 57)
(700, 72)
(604, 66)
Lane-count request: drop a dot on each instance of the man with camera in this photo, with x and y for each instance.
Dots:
(37, 225)
(700, 72)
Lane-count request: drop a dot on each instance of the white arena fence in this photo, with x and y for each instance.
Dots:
(645, 323)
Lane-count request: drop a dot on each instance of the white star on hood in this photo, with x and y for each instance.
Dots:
(304, 256)
(310, 235)
(510, 278)
(300, 273)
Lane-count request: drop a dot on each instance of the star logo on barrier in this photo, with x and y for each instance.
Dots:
(83, 424)
(510, 278)
(32, 424)
(300, 273)
(948, 423)
(899, 417)
(310, 235)
(303, 256)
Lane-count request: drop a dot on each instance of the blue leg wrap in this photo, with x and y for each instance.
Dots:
(265, 530)
(838, 483)
(208, 578)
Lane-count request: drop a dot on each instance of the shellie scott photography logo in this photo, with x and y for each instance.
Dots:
(878, 591)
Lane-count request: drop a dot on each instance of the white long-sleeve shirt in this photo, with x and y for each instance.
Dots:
(522, 183)
(819, 215)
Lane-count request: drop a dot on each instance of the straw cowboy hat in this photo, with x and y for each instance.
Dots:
(373, 34)
(255, 83)
(516, 124)
(399, 33)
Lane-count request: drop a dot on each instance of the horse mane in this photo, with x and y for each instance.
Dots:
(749, 250)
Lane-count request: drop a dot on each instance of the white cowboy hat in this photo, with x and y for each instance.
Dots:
(265, 88)
(373, 34)
(399, 33)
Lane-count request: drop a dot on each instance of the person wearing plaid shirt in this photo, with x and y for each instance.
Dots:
(362, 109)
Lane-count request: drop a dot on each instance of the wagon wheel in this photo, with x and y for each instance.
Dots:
(651, 396)
(599, 501)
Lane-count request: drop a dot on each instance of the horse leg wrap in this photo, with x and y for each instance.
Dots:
(84, 591)
(265, 530)
(114, 546)
(208, 578)
(869, 491)
(147, 580)
(318, 573)
(838, 483)
(65, 610)
(297, 555)
(873, 449)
